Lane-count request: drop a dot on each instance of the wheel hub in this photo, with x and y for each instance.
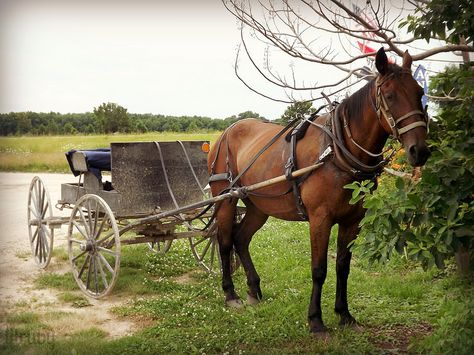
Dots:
(88, 246)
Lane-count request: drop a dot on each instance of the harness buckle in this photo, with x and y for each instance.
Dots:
(324, 154)
(391, 120)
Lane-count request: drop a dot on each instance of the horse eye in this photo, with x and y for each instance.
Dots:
(390, 96)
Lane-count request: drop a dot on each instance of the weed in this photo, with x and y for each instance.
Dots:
(23, 254)
(75, 299)
(58, 281)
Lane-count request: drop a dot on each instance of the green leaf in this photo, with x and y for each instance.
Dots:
(400, 184)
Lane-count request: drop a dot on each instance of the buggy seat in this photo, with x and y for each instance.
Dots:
(94, 161)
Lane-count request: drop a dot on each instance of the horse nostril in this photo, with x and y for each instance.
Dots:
(418, 155)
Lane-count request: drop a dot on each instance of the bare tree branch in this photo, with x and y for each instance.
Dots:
(323, 34)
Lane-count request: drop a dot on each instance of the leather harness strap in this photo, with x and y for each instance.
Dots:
(383, 110)
(290, 166)
(228, 174)
(344, 159)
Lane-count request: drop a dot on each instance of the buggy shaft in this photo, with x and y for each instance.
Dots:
(234, 193)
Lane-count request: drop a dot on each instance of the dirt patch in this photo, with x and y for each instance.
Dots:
(185, 279)
(18, 269)
(396, 338)
(18, 295)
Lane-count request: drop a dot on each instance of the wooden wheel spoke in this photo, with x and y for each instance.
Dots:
(41, 247)
(206, 248)
(37, 213)
(84, 233)
(36, 193)
(199, 242)
(79, 275)
(211, 259)
(106, 263)
(96, 281)
(35, 234)
(32, 208)
(100, 229)
(75, 241)
(78, 256)
(107, 236)
(43, 192)
(102, 274)
(105, 250)
(96, 218)
(45, 248)
(37, 245)
(45, 242)
(91, 216)
(85, 223)
(45, 209)
(89, 272)
(33, 202)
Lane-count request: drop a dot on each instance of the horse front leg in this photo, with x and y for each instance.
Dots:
(320, 227)
(347, 233)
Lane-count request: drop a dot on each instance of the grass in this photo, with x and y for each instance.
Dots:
(46, 153)
(74, 299)
(400, 307)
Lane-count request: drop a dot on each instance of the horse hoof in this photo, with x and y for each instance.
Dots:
(353, 325)
(236, 303)
(320, 334)
(348, 321)
(252, 301)
(317, 327)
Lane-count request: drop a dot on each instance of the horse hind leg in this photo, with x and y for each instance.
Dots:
(253, 220)
(225, 221)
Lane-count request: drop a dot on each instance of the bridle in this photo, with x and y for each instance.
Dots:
(383, 110)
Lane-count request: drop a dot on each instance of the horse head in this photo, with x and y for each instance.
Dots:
(399, 108)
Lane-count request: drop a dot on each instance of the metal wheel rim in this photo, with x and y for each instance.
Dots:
(40, 235)
(160, 247)
(94, 246)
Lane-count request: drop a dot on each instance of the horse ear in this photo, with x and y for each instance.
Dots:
(407, 60)
(381, 61)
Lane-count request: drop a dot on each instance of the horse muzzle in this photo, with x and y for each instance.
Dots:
(418, 154)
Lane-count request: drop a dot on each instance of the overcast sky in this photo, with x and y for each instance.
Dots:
(172, 57)
(163, 57)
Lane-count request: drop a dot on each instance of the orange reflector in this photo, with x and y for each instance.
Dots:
(206, 147)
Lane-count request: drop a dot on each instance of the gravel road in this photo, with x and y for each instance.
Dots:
(18, 269)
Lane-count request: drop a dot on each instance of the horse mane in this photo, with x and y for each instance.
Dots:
(355, 104)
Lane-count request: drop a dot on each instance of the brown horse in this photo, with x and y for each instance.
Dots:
(357, 131)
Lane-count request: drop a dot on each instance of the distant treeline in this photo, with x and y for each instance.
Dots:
(108, 118)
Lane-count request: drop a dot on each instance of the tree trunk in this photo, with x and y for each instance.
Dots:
(463, 261)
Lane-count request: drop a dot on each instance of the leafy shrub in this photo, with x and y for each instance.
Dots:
(431, 219)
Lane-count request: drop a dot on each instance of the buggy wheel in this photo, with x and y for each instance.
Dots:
(160, 247)
(41, 235)
(205, 249)
(94, 246)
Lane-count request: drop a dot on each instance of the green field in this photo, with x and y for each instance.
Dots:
(400, 307)
(46, 153)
